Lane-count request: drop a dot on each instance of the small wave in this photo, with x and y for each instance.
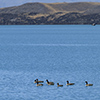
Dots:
(66, 45)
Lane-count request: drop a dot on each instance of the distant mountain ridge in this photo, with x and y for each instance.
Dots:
(9, 3)
(49, 13)
(44, 8)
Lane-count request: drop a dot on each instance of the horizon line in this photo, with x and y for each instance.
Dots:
(49, 3)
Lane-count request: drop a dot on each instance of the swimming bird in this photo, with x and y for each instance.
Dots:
(94, 24)
(35, 81)
(69, 83)
(50, 83)
(39, 84)
(59, 85)
(88, 84)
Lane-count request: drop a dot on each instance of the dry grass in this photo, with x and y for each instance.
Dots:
(94, 3)
(38, 15)
(50, 8)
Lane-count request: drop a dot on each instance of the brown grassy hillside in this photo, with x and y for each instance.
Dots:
(51, 13)
(48, 8)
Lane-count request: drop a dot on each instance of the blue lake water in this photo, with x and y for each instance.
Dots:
(54, 52)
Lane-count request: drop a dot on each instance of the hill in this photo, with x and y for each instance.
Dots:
(9, 3)
(51, 13)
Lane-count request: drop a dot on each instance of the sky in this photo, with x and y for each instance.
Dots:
(8, 3)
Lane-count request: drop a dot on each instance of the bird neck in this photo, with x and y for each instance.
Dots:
(86, 82)
(67, 82)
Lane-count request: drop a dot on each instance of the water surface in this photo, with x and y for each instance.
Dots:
(54, 52)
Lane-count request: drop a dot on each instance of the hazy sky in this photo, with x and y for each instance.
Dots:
(7, 3)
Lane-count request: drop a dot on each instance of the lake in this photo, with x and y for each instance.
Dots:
(54, 52)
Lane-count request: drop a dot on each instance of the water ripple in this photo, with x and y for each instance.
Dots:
(63, 45)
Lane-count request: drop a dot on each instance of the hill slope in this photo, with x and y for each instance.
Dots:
(53, 7)
(51, 13)
(8, 3)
